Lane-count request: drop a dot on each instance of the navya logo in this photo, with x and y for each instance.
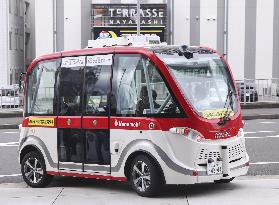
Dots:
(220, 135)
(126, 124)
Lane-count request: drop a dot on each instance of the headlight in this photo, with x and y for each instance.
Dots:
(240, 133)
(187, 132)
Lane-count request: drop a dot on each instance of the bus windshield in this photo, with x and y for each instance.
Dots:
(205, 82)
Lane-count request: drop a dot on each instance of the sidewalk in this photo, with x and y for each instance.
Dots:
(10, 118)
(260, 113)
(243, 191)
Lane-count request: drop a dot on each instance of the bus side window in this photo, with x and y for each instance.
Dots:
(70, 91)
(97, 86)
(139, 90)
(128, 80)
(164, 102)
(41, 99)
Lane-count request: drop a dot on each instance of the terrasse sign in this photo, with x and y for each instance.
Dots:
(114, 20)
(125, 15)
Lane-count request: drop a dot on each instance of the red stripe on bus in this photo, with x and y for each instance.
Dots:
(91, 176)
(144, 123)
(69, 122)
(94, 122)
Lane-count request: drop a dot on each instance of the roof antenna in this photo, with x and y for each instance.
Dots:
(188, 54)
(184, 48)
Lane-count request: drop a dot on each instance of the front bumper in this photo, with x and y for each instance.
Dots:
(235, 160)
(234, 172)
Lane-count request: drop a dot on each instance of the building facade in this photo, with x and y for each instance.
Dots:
(244, 31)
(11, 41)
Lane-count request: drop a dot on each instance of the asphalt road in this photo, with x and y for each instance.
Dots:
(262, 141)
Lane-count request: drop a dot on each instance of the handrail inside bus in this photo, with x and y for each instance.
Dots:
(164, 104)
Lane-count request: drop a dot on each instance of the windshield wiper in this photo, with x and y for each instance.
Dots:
(227, 114)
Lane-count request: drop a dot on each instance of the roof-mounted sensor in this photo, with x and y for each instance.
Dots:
(126, 40)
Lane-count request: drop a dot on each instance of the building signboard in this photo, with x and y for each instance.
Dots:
(114, 20)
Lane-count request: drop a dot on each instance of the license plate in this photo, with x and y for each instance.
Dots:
(214, 167)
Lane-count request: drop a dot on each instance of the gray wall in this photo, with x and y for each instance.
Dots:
(250, 38)
(85, 22)
(194, 22)
(275, 70)
(59, 25)
(220, 25)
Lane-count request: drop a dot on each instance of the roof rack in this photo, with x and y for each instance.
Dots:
(126, 40)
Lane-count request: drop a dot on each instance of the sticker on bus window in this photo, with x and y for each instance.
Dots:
(70, 62)
(216, 114)
(99, 60)
(46, 122)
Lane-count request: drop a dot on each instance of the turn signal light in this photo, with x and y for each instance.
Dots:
(180, 130)
(188, 132)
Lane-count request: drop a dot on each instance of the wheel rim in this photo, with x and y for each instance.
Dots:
(141, 176)
(33, 170)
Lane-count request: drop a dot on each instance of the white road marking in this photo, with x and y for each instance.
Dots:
(11, 132)
(268, 122)
(266, 131)
(10, 175)
(275, 136)
(250, 132)
(263, 163)
(9, 144)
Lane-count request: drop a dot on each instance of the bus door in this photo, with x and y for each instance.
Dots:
(83, 135)
(95, 121)
(70, 140)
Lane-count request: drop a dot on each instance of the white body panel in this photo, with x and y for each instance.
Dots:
(45, 139)
(178, 156)
(181, 151)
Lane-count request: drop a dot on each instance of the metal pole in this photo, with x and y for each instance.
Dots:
(170, 13)
(54, 18)
(138, 17)
(226, 29)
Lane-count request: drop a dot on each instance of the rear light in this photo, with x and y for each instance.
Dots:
(195, 173)
(187, 132)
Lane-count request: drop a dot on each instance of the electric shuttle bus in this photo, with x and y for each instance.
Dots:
(132, 109)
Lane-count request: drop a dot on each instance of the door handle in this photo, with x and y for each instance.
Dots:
(69, 121)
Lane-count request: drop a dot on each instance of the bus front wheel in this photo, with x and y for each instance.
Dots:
(33, 170)
(144, 176)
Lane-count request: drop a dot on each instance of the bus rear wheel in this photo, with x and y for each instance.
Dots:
(145, 177)
(33, 170)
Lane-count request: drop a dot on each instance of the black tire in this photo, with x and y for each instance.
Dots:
(224, 181)
(33, 170)
(148, 181)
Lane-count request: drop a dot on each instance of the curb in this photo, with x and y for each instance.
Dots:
(257, 117)
(259, 105)
(8, 126)
(11, 114)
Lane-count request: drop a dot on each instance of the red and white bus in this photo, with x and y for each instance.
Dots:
(132, 109)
